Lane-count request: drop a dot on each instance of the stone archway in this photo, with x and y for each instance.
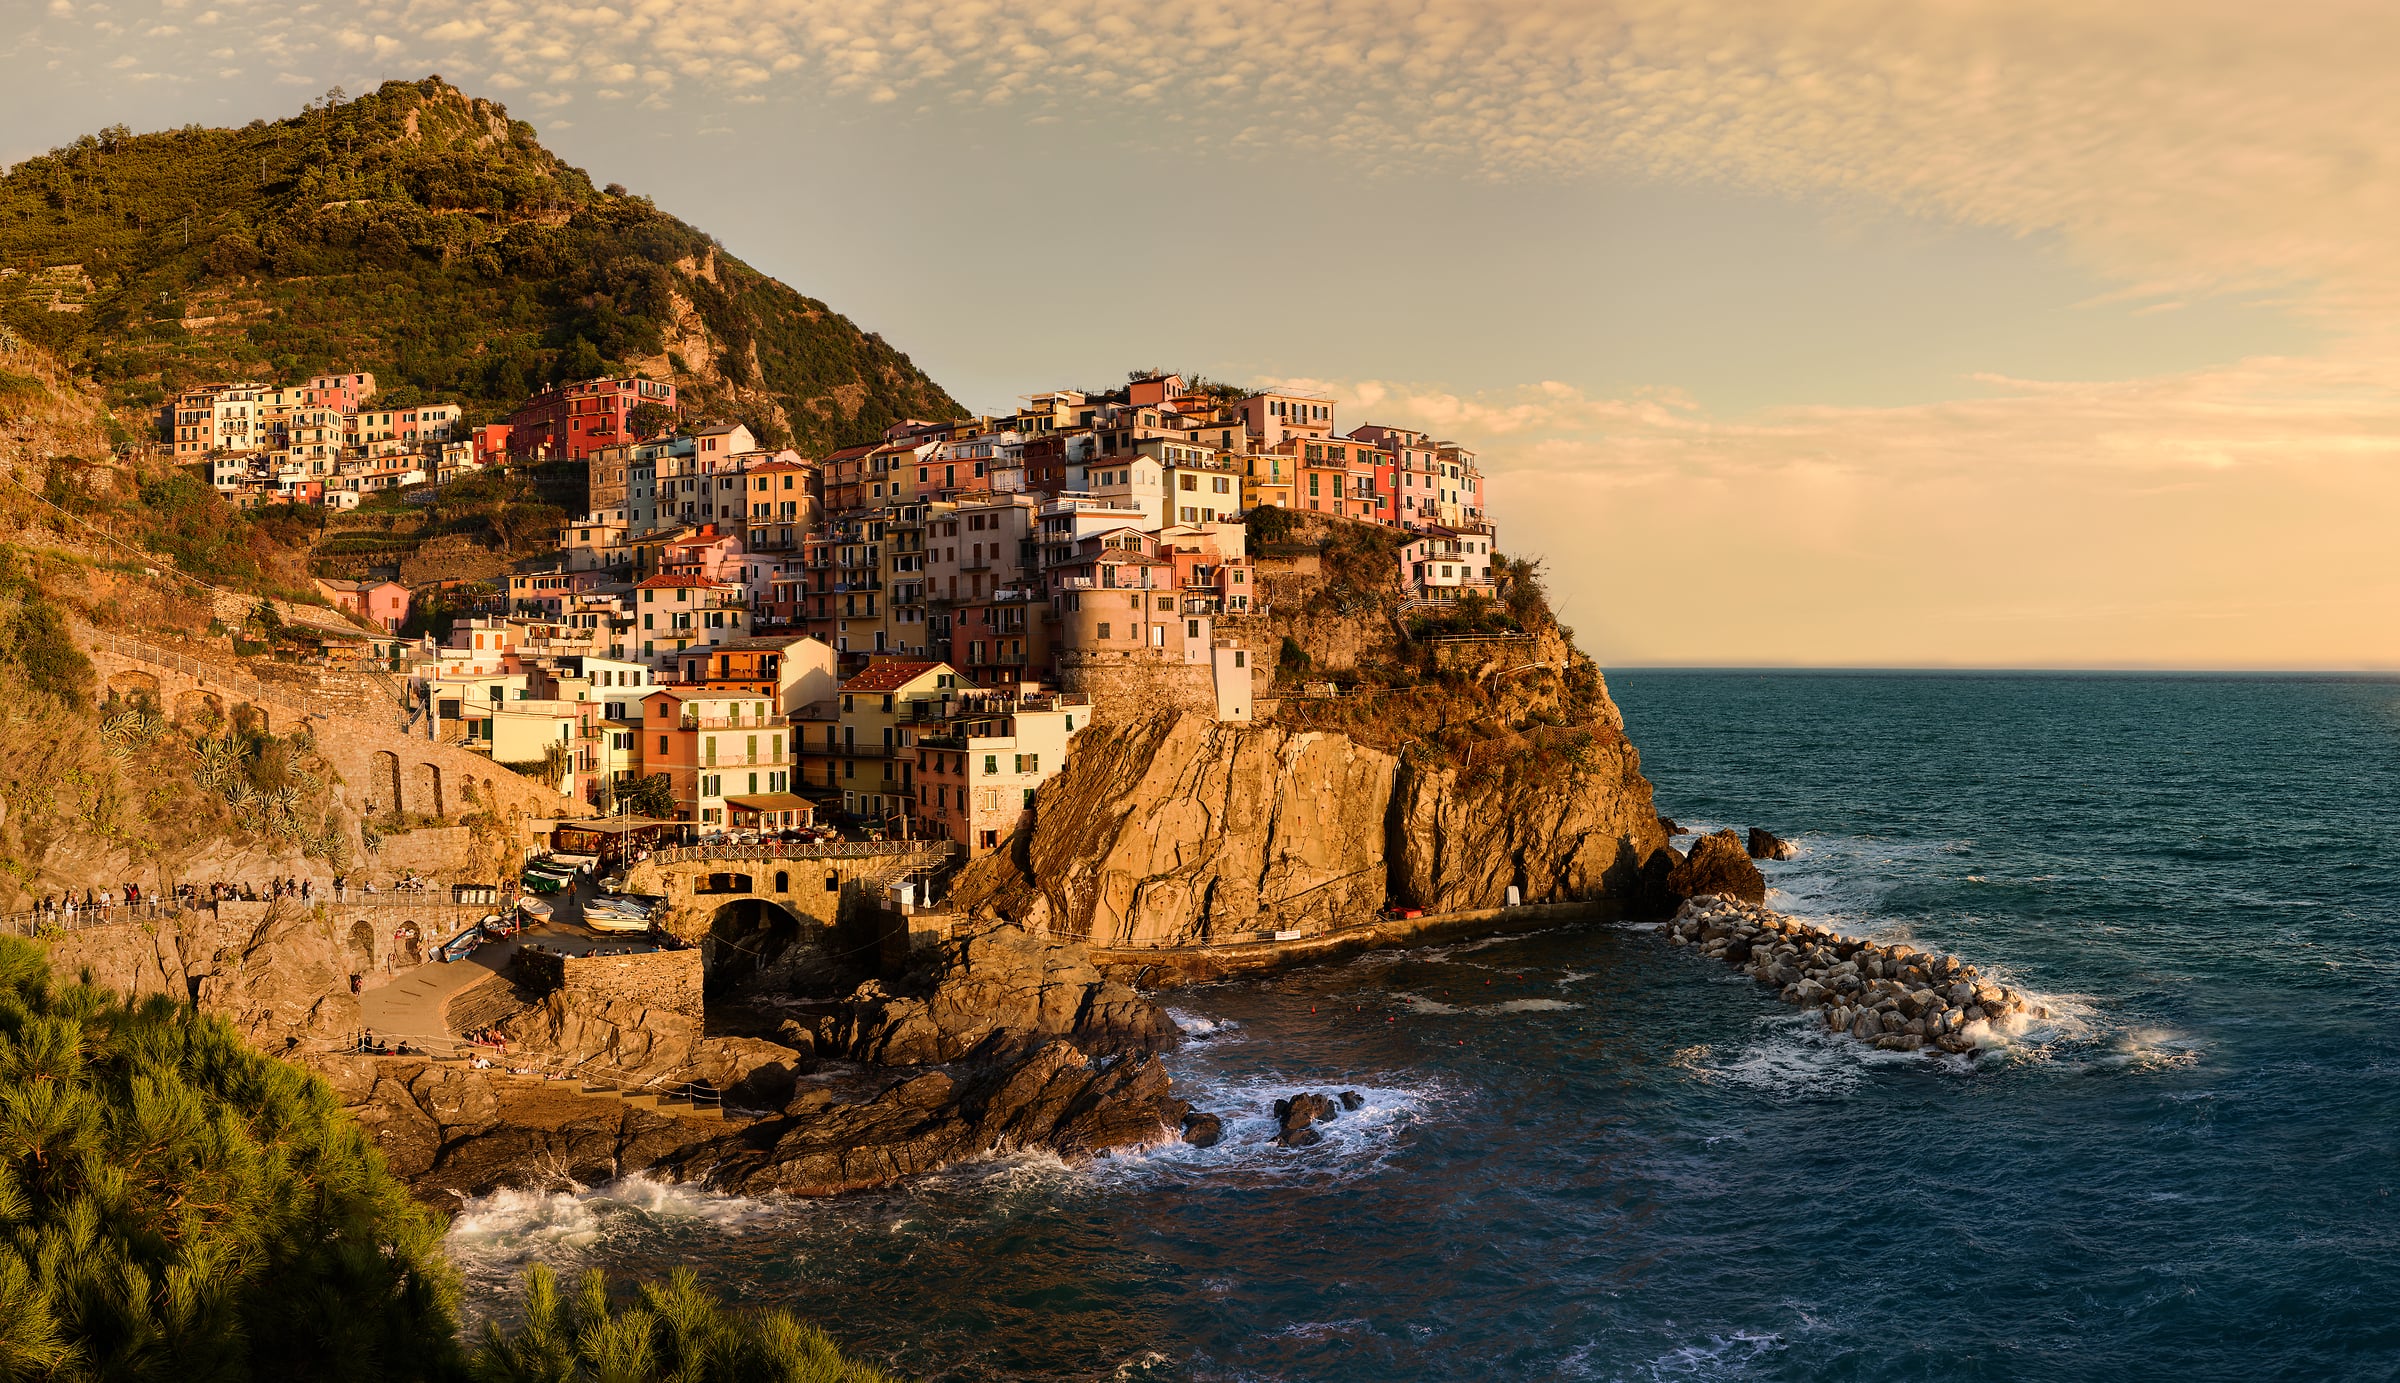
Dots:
(747, 936)
(428, 784)
(135, 686)
(252, 718)
(201, 710)
(383, 785)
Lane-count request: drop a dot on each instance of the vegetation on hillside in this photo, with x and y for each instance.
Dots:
(424, 236)
(174, 1204)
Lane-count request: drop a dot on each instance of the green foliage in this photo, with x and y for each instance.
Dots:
(1269, 523)
(1293, 662)
(1472, 613)
(674, 1332)
(651, 795)
(1521, 590)
(176, 1205)
(425, 237)
(39, 644)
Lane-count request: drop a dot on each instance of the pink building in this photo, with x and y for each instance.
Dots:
(383, 604)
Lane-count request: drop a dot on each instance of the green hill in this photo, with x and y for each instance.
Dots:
(423, 235)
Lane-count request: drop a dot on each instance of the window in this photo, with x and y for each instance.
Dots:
(991, 763)
(1188, 482)
(1241, 658)
(662, 744)
(1103, 629)
(1191, 629)
(1166, 602)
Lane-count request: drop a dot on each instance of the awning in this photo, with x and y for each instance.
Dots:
(770, 802)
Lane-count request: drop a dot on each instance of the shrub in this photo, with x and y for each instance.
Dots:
(173, 1203)
(39, 644)
(674, 1331)
(1293, 662)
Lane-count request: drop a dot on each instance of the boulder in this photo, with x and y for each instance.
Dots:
(1766, 845)
(1297, 1114)
(1202, 1129)
(1718, 865)
(1351, 1099)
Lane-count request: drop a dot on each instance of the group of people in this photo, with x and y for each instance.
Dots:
(277, 887)
(371, 1045)
(98, 900)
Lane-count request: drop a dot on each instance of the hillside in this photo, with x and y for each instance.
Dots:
(423, 235)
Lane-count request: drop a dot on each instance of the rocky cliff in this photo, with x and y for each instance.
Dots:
(997, 1043)
(1180, 830)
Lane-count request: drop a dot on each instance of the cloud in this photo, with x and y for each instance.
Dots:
(2236, 515)
(2182, 145)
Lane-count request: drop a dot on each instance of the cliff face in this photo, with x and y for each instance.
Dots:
(1584, 827)
(1179, 830)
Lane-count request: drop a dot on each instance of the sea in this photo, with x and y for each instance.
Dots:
(1584, 1155)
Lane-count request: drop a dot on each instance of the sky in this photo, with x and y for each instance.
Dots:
(1816, 332)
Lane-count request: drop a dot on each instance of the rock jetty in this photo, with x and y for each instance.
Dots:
(1895, 996)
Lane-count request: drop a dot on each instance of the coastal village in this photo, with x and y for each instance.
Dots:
(899, 638)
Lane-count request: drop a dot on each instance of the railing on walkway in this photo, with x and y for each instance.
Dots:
(60, 921)
(789, 850)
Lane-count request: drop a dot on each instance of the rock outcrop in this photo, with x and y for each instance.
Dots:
(1000, 991)
(451, 1131)
(1178, 830)
(1718, 865)
(1002, 1042)
(1056, 1098)
(279, 971)
(1766, 845)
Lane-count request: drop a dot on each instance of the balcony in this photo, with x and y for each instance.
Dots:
(732, 723)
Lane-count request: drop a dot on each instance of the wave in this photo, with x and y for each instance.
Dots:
(496, 1236)
(1355, 1142)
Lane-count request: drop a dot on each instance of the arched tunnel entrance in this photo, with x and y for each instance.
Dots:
(747, 937)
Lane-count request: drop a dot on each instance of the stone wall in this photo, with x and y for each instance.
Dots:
(380, 769)
(668, 980)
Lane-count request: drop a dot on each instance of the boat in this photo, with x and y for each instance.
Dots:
(536, 911)
(461, 946)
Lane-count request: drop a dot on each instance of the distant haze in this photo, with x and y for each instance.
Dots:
(2008, 333)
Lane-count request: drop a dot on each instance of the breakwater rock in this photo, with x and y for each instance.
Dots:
(1893, 995)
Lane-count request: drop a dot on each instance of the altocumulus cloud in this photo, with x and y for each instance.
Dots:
(2181, 145)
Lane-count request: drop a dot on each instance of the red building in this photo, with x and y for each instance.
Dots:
(572, 421)
(491, 444)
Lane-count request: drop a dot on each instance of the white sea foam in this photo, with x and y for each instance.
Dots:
(496, 1235)
(1205, 1028)
(1528, 1006)
(1354, 1143)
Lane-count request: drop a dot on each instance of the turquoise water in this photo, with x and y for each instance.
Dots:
(1585, 1156)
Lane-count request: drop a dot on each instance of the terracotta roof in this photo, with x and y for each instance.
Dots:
(888, 676)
